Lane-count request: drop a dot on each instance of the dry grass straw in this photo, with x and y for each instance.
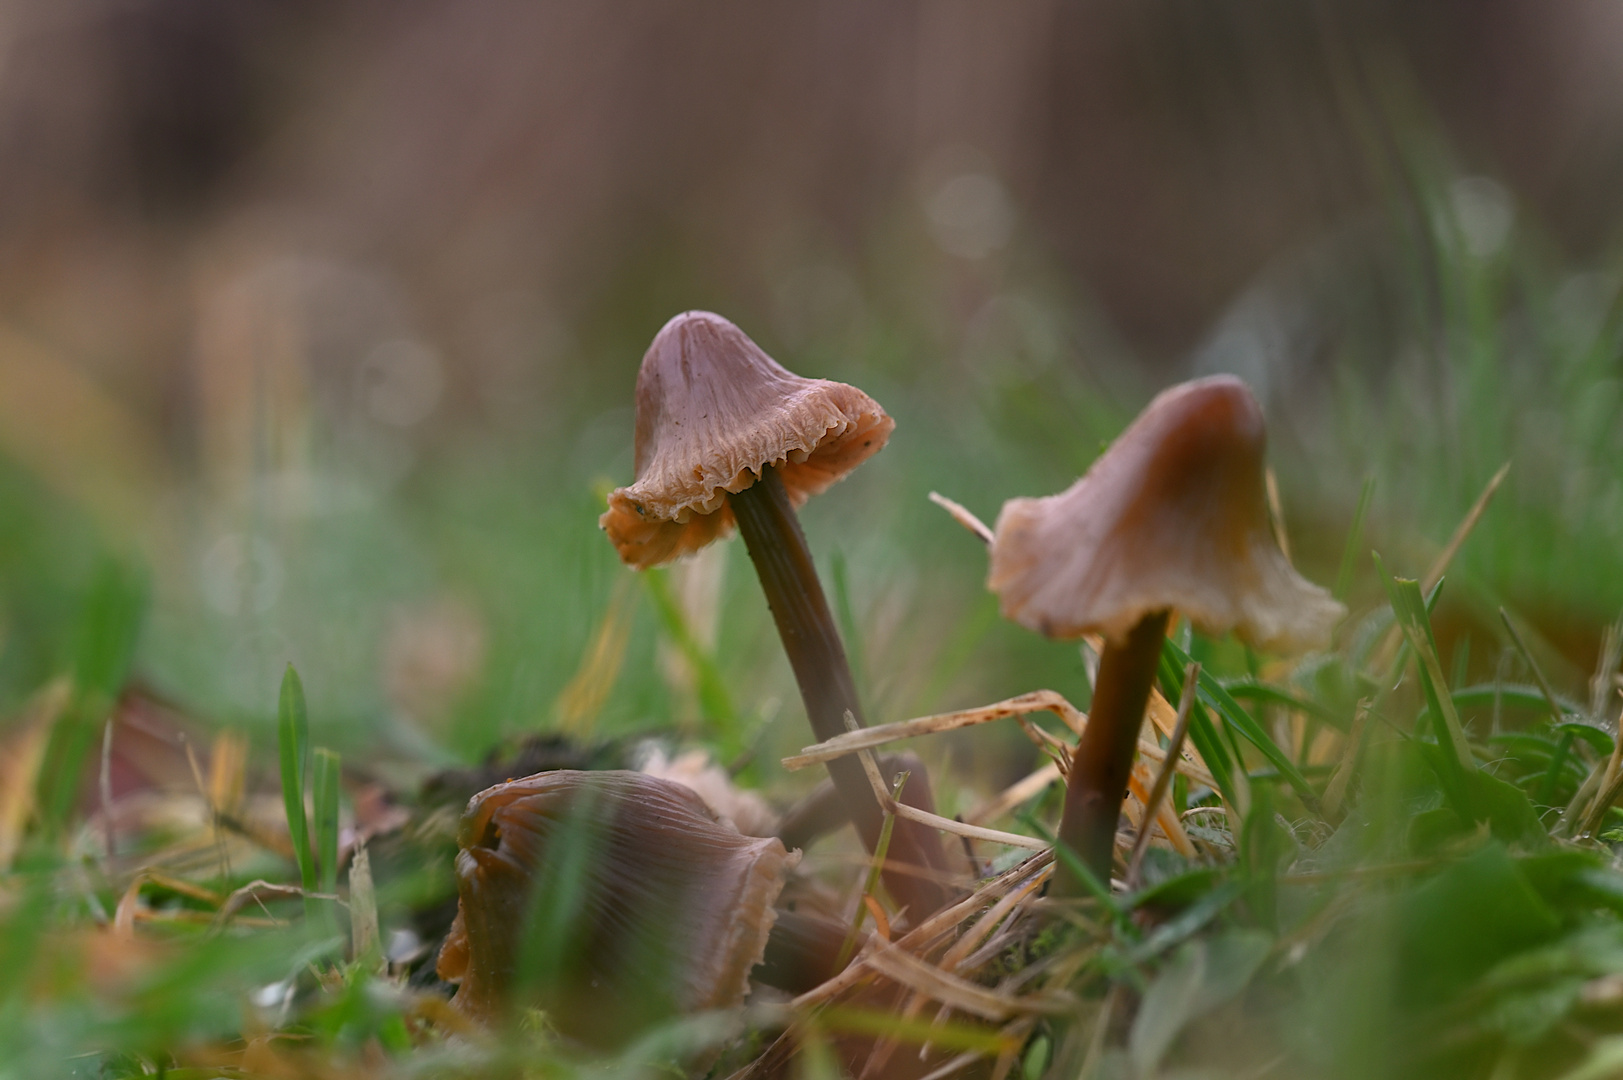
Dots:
(1163, 780)
(928, 934)
(1160, 712)
(861, 740)
(1387, 650)
(1276, 512)
(583, 698)
(950, 963)
(20, 758)
(1021, 791)
(935, 821)
(905, 962)
(1336, 792)
(962, 516)
(976, 920)
(1610, 786)
(1141, 785)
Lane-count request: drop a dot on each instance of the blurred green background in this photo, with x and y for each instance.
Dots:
(326, 317)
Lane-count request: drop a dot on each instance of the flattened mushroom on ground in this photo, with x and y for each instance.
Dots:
(636, 903)
(725, 435)
(1172, 517)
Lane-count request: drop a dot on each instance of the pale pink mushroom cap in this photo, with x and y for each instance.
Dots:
(1172, 515)
(712, 411)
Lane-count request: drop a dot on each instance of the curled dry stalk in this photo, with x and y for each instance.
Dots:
(860, 741)
(1163, 780)
(1610, 787)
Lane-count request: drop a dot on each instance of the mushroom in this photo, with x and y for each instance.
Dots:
(644, 905)
(712, 411)
(1172, 517)
(726, 435)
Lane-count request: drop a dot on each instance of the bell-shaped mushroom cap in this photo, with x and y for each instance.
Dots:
(1172, 515)
(712, 410)
(640, 904)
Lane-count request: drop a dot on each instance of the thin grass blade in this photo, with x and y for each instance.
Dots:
(293, 745)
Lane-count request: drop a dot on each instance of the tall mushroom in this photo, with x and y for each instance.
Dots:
(1172, 517)
(726, 435)
(646, 905)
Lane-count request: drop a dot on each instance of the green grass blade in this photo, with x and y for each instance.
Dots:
(871, 886)
(1511, 696)
(1067, 855)
(1556, 716)
(1240, 722)
(324, 795)
(293, 744)
(887, 1024)
(1552, 776)
(324, 801)
(1246, 689)
(550, 941)
(1202, 732)
(714, 699)
(108, 629)
(1349, 554)
(1412, 612)
(1187, 922)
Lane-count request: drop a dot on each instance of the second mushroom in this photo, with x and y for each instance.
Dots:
(1171, 518)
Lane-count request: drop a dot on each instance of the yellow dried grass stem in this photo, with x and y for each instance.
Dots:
(879, 735)
(1038, 868)
(1337, 789)
(20, 759)
(976, 1000)
(1387, 650)
(982, 929)
(936, 821)
(1023, 705)
(228, 773)
(583, 698)
(1142, 786)
(1022, 790)
(1276, 512)
(962, 516)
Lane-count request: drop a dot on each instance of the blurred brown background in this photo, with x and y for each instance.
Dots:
(260, 261)
(518, 184)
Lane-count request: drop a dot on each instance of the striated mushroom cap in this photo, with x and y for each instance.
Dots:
(1172, 515)
(642, 905)
(712, 411)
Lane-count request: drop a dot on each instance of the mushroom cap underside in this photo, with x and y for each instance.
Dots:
(644, 904)
(1172, 516)
(713, 410)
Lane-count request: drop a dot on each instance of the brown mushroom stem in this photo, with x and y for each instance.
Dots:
(1104, 757)
(801, 952)
(782, 561)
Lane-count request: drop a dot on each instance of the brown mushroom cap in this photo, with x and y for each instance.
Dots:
(1172, 515)
(712, 411)
(667, 912)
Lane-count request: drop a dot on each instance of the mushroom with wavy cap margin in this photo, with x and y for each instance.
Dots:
(726, 435)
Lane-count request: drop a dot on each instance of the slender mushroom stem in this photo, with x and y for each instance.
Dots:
(788, 576)
(1104, 757)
